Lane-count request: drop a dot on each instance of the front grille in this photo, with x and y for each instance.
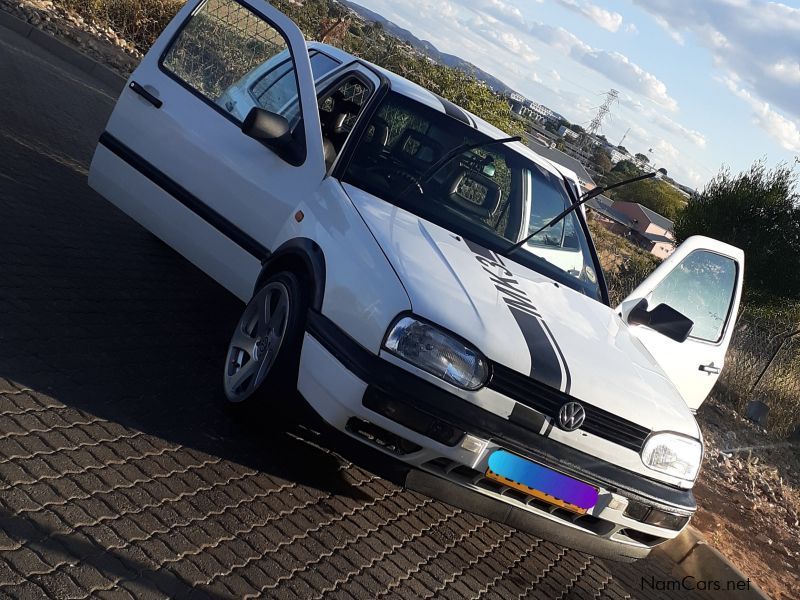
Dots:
(549, 401)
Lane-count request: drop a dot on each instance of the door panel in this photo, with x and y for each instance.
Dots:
(188, 141)
(703, 281)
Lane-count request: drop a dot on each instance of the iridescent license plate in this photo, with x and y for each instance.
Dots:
(540, 482)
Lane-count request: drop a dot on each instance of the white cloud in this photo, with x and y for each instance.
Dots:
(676, 36)
(613, 65)
(621, 69)
(783, 130)
(666, 123)
(606, 19)
(755, 41)
(787, 71)
(666, 151)
(631, 28)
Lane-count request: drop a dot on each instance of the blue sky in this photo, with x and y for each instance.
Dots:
(702, 83)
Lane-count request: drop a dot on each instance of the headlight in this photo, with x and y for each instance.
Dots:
(674, 455)
(438, 353)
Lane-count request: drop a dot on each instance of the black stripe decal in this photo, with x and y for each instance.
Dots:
(568, 375)
(455, 111)
(547, 359)
(182, 195)
(545, 365)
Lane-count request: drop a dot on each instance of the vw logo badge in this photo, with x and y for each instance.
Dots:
(571, 416)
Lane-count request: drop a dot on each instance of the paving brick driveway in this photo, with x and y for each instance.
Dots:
(120, 473)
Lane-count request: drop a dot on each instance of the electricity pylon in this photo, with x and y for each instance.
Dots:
(594, 127)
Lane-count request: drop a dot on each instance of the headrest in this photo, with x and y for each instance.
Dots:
(416, 147)
(475, 193)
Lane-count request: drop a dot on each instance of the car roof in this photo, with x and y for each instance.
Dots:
(408, 88)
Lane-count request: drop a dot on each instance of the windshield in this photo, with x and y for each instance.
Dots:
(493, 195)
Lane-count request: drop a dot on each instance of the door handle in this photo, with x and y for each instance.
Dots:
(139, 89)
(710, 369)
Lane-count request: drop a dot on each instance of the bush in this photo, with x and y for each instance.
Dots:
(757, 211)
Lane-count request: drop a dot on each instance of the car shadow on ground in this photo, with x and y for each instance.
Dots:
(101, 316)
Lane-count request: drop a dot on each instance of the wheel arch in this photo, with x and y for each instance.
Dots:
(303, 257)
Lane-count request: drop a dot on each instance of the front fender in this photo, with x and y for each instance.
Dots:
(355, 285)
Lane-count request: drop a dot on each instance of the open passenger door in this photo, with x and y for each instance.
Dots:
(701, 280)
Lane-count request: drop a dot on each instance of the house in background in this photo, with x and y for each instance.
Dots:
(602, 210)
(650, 230)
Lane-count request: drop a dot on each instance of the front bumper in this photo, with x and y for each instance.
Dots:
(450, 440)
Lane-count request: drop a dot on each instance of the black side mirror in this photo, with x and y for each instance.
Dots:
(664, 319)
(273, 131)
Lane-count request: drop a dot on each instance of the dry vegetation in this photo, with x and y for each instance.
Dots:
(138, 21)
(625, 265)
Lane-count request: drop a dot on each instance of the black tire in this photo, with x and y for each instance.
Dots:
(277, 385)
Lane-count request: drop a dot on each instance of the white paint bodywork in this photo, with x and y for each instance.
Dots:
(382, 261)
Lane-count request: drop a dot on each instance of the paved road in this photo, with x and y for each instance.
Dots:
(121, 474)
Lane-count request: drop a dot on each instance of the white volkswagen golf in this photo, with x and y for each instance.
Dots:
(428, 284)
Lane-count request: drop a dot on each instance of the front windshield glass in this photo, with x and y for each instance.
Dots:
(493, 195)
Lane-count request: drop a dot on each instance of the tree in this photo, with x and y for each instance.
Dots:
(602, 160)
(656, 195)
(642, 157)
(759, 212)
(624, 169)
(622, 149)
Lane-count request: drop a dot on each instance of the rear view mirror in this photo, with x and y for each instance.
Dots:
(663, 318)
(273, 131)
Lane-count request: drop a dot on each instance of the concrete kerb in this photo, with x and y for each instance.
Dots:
(65, 52)
(689, 552)
(696, 559)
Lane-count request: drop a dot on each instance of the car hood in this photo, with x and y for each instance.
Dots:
(524, 320)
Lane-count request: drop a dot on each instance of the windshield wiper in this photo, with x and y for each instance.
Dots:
(455, 152)
(573, 207)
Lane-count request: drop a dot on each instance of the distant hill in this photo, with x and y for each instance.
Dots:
(428, 48)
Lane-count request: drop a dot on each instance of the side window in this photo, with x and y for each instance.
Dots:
(276, 89)
(548, 198)
(236, 60)
(339, 110)
(701, 287)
